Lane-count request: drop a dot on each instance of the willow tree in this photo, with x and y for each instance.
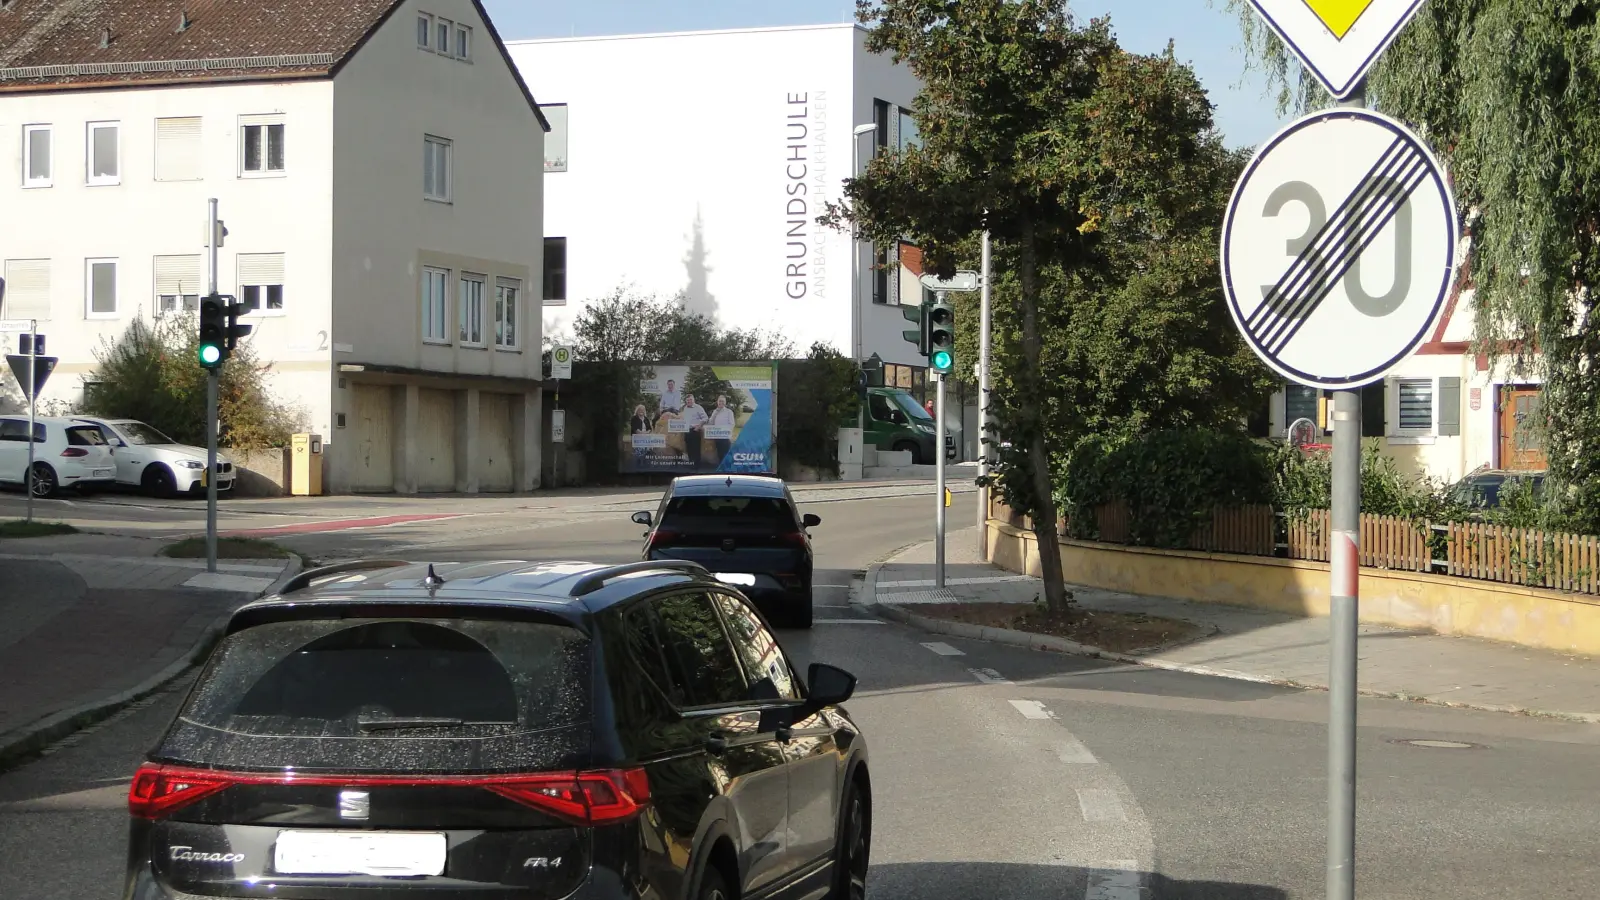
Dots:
(1061, 144)
(1508, 91)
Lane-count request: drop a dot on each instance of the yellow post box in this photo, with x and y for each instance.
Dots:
(305, 469)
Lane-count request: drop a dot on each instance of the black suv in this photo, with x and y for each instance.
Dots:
(747, 531)
(383, 730)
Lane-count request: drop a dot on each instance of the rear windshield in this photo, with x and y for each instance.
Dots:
(764, 514)
(85, 436)
(388, 693)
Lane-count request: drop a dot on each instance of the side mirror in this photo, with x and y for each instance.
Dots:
(829, 685)
(642, 518)
(810, 520)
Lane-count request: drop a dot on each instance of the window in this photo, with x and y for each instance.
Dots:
(100, 288)
(17, 430)
(463, 43)
(881, 282)
(436, 169)
(424, 31)
(555, 142)
(105, 153)
(441, 43)
(36, 156)
(555, 271)
(27, 289)
(909, 136)
(470, 307)
(261, 279)
(179, 155)
(1414, 399)
(178, 285)
(1299, 402)
(507, 295)
(880, 117)
(764, 662)
(698, 653)
(261, 145)
(435, 302)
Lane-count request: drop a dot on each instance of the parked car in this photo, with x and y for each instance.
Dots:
(744, 528)
(65, 454)
(149, 459)
(381, 730)
(1482, 489)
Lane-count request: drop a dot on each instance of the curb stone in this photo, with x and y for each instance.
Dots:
(1061, 645)
(41, 733)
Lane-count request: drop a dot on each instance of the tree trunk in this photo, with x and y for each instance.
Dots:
(1044, 512)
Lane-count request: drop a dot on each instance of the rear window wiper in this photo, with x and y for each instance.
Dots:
(393, 723)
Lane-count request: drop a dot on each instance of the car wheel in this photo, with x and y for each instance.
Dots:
(916, 454)
(158, 480)
(44, 482)
(855, 847)
(712, 885)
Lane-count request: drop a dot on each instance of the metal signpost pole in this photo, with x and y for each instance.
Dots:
(213, 375)
(983, 397)
(33, 409)
(938, 478)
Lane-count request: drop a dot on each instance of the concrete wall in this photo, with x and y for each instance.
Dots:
(260, 473)
(1535, 618)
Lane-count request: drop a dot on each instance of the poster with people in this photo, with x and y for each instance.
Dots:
(689, 418)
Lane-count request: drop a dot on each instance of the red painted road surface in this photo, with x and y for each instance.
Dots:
(337, 525)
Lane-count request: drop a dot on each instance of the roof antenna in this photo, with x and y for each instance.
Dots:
(183, 21)
(433, 580)
(105, 38)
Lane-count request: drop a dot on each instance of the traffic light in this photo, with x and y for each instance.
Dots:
(235, 309)
(941, 335)
(213, 331)
(919, 315)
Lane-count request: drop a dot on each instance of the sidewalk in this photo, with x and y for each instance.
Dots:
(1271, 647)
(92, 622)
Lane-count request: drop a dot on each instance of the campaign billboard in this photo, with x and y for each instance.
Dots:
(701, 418)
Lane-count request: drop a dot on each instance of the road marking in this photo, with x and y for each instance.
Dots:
(992, 579)
(989, 676)
(1100, 805)
(1073, 751)
(1117, 880)
(1032, 709)
(847, 622)
(943, 649)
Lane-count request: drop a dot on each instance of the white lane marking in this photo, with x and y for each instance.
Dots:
(1100, 805)
(1031, 709)
(1073, 751)
(847, 622)
(989, 676)
(992, 579)
(1117, 880)
(943, 649)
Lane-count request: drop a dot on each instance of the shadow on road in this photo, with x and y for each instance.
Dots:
(1018, 881)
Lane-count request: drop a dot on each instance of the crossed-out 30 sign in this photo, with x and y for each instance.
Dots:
(1338, 248)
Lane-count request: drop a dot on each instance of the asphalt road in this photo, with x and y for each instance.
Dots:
(1006, 774)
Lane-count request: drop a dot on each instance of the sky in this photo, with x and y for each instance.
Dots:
(1205, 35)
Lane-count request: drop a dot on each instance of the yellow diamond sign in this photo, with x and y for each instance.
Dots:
(1337, 40)
(1338, 15)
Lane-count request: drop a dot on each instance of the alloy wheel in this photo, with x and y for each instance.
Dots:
(43, 483)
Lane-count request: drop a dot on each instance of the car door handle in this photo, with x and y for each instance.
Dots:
(716, 744)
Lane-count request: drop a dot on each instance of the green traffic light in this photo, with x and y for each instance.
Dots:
(941, 359)
(210, 354)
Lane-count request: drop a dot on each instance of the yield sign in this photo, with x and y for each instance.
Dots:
(42, 367)
(1337, 40)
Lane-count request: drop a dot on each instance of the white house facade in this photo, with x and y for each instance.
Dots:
(382, 224)
(698, 162)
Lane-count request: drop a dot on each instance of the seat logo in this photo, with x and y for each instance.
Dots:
(355, 804)
(188, 854)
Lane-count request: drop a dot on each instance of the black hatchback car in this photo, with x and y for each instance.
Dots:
(383, 730)
(747, 531)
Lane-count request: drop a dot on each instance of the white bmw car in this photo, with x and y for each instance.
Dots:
(149, 459)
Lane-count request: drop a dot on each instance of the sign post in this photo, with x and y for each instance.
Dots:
(32, 369)
(1380, 213)
(984, 320)
(560, 367)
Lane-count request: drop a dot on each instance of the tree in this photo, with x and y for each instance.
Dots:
(1506, 91)
(625, 326)
(1066, 148)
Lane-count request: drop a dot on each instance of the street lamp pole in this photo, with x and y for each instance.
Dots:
(983, 398)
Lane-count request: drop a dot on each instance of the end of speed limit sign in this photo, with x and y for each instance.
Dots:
(1338, 247)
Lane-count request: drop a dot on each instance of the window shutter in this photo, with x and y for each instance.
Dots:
(1373, 418)
(260, 268)
(178, 150)
(1450, 406)
(179, 275)
(27, 289)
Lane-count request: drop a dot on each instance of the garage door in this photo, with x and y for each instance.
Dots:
(436, 441)
(371, 438)
(495, 445)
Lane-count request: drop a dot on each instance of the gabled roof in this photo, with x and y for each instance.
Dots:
(87, 44)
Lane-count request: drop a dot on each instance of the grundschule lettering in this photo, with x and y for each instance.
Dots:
(797, 133)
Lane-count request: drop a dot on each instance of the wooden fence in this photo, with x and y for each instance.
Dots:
(1477, 550)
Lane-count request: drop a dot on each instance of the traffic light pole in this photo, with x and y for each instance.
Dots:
(938, 479)
(213, 376)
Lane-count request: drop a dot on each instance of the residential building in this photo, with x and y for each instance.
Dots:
(383, 227)
(698, 162)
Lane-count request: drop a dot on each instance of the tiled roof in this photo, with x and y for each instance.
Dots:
(47, 44)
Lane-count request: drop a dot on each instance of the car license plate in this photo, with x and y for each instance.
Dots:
(102, 473)
(381, 853)
(736, 578)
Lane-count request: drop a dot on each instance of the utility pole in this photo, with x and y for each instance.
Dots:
(983, 398)
(213, 378)
(938, 483)
(33, 409)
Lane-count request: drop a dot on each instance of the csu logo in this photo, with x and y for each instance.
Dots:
(749, 457)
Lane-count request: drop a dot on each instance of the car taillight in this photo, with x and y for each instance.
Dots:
(582, 798)
(661, 538)
(74, 452)
(794, 539)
